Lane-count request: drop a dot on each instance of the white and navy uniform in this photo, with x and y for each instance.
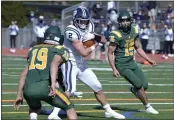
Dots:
(76, 67)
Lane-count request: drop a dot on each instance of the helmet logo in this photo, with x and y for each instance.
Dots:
(83, 12)
(74, 13)
(56, 38)
(124, 17)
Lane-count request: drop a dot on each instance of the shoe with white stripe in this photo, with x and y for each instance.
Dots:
(113, 114)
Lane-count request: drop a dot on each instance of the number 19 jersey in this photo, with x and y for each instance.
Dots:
(125, 46)
(39, 60)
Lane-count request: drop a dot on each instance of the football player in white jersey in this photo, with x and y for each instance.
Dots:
(83, 30)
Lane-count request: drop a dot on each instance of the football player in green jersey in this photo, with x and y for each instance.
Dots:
(38, 80)
(121, 58)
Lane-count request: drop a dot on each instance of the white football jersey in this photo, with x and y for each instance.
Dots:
(72, 33)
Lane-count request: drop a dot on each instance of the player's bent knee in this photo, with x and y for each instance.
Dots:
(97, 87)
(145, 86)
(138, 86)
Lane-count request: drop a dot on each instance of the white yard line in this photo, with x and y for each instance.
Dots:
(6, 93)
(13, 84)
(100, 104)
(101, 69)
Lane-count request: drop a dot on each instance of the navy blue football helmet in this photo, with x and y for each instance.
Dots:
(81, 18)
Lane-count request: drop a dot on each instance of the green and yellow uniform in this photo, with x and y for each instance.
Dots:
(38, 78)
(124, 57)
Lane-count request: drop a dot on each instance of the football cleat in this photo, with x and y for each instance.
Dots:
(131, 89)
(151, 110)
(77, 94)
(54, 117)
(113, 114)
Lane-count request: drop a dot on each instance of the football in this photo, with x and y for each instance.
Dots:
(89, 43)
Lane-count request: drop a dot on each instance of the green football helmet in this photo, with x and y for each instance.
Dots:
(125, 20)
(53, 36)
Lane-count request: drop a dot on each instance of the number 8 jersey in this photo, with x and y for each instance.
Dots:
(39, 61)
(125, 45)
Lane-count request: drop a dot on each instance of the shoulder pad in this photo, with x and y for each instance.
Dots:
(63, 52)
(59, 47)
(91, 27)
(115, 36)
(72, 33)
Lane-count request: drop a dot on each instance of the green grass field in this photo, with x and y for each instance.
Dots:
(160, 92)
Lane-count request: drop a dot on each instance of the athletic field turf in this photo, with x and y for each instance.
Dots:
(160, 92)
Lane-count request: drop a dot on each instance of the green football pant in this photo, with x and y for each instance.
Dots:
(35, 93)
(134, 75)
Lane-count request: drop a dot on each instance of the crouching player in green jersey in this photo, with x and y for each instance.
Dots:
(122, 44)
(38, 80)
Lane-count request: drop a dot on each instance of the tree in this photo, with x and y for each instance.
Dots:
(13, 10)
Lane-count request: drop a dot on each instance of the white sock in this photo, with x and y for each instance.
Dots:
(33, 116)
(56, 110)
(148, 105)
(107, 107)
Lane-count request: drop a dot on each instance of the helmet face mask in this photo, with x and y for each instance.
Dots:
(83, 24)
(81, 18)
(125, 22)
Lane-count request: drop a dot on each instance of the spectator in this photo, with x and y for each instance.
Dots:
(144, 33)
(111, 5)
(97, 10)
(40, 29)
(31, 16)
(112, 14)
(130, 12)
(152, 9)
(159, 15)
(168, 44)
(169, 9)
(13, 28)
(168, 20)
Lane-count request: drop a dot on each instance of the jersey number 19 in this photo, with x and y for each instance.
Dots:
(41, 56)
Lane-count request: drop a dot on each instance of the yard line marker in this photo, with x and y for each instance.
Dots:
(110, 99)
(89, 111)
(12, 92)
(95, 104)
(100, 69)
(150, 84)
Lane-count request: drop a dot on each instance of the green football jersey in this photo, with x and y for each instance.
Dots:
(125, 45)
(39, 60)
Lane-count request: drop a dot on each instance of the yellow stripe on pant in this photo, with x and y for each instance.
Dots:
(63, 97)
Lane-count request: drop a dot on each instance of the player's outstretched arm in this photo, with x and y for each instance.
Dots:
(111, 49)
(78, 45)
(141, 52)
(100, 39)
(20, 88)
(57, 60)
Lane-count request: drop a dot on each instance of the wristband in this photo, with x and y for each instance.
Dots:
(92, 48)
(97, 38)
